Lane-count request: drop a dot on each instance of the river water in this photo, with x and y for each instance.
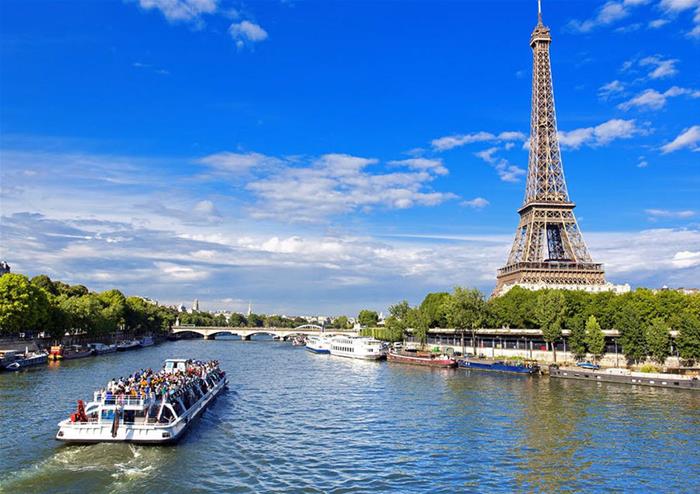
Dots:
(298, 422)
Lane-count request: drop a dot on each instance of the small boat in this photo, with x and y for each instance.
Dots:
(516, 367)
(26, 359)
(358, 347)
(299, 341)
(319, 344)
(430, 359)
(588, 365)
(147, 341)
(60, 352)
(120, 413)
(101, 348)
(125, 345)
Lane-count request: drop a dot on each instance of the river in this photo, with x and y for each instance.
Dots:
(293, 421)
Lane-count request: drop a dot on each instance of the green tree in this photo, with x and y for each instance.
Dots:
(113, 308)
(236, 320)
(341, 322)
(631, 326)
(595, 339)
(515, 309)
(433, 307)
(465, 308)
(577, 338)
(550, 310)
(419, 323)
(23, 306)
(658, 340)
(368, 318)
(688, 341)
(255, 321)
(44, 282)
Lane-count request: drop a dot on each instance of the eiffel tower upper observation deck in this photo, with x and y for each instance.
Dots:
(548, 250)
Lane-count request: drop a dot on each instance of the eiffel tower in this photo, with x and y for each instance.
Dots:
(548, 250)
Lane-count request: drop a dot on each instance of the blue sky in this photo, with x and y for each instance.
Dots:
(322, 157)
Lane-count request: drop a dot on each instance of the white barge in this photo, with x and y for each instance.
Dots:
(146, 408)
(358, 347)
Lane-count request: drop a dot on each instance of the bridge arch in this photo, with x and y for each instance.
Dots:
(309, 326)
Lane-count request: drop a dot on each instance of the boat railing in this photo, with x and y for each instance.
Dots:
(122, 400)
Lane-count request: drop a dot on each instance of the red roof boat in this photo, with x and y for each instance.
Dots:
(422, 358)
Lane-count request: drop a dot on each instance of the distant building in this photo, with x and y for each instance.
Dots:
(181, 308)
(250, 309)
(4, 268)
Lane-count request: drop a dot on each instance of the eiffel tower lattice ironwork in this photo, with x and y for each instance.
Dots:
(548, 248)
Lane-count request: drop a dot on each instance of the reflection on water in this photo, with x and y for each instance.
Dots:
(297, 422)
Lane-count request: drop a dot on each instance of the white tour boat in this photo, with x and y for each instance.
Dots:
(319, 344)
(147, 407)
(360, 347)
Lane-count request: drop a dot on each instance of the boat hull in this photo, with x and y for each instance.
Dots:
(319, 350)
(424, 361)
(668, 381)
(89, 433)
(498, 367)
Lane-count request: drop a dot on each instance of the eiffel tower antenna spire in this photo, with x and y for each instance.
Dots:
(548, 249)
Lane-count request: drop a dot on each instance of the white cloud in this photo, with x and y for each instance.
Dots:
(661, 68)
(599, 135)
(458, 140)
(669, 214)
(237, 163)
(657, 23)
(686, 259)
(507, 172)
(689, 139)
(610, 89)
(246, 32)
(434, 165)
(336, 184)
(181, 10)
(651, 99)
(476, 203)
(675, 7)
(611, 12)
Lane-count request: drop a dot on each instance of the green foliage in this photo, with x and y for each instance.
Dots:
(577, 339)
(550, 310)
(384, 334)
(658, 340)
(23, 306)
(688, 327)
(341, 322)
(465, 309)
(631, 326)
(515, 309)
(419, 323)
(255, 321)
(433, 307)
(236, 320)
(368, 318)
(44, 282)
(595, 339)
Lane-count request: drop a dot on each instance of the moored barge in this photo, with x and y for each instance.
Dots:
(422, 358)
(147, 407)
(625, 376)
(519, 367)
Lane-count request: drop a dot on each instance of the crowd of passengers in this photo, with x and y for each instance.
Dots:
(151, 384)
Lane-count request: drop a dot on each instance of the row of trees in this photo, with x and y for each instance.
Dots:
(41, 305)
(54, 308)
(644, 318)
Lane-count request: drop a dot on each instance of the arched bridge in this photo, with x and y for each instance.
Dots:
(209, 332)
